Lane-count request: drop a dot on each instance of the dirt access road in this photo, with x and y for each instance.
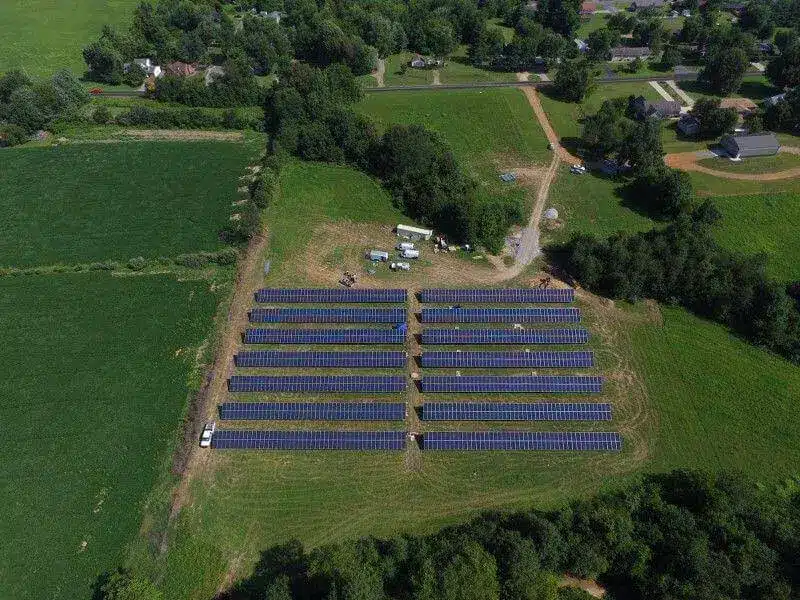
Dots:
(689, 161)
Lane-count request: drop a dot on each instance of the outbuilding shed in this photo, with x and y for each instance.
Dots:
(758, 144)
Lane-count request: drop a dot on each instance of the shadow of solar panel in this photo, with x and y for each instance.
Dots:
(312, 411)
(227, 439)
(555, 384)
(505, 336)
(324, 336)
(501, 315)
(322, 383)
(328, 315)
(277, 358)
(498, 295)
(322, 295)
(522, 440)
(509, 360)
(509, 411)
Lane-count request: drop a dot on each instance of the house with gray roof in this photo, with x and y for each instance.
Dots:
(630, 53)
(639, 4)
(756, 144)
(662, 109)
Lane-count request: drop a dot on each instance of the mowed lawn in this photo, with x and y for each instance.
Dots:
(721, 403)
(95, 374)
(41, 36)
(94, 202)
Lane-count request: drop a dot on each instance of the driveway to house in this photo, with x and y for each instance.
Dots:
(689, 161)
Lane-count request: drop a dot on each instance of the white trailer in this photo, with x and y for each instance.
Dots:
(405, 246)
(410, 253)
(400, 266)
(414, 233)
(378, 255)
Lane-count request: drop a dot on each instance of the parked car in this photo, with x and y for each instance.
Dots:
(208, 433)
(577, 169)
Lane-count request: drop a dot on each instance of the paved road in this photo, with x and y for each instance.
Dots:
(487, 84)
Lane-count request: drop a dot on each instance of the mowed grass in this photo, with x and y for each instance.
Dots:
(94, 202)
(95, 374)
(567, 117)
(755, 165)
(722, 403)
(42, 36)
(768, 223)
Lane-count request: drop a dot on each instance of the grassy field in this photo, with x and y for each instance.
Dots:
(567, 117)
(94, 202)
(755, 87)
(455, 70)
(756, 164)
(768, 223)
(42, 36)
(95, 384)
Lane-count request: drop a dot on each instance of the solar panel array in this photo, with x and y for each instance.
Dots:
(309, 440)
(498, 295)
(557, 384)
(521, 440)
(512, 411)
(330, 295)
(501, 315)
(324, 336)
(313, 411)
(278, 358)
(494, 360)
(328, 315)
(318, 383)
(505, 336)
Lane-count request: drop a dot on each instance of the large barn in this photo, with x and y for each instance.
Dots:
(757, 144)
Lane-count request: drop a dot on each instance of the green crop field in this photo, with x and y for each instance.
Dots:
(42, 36)
(94, 202)
(95, 375)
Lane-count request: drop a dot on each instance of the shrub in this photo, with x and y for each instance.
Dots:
(164, 260)
(12, 135)
(193, 261)
(137, 264)
(226, 256)
(101, 115)
(103, 266)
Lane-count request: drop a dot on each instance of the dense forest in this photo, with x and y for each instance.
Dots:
(681, 535)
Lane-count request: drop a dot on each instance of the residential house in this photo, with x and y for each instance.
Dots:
(688, 125)
(146, 65)
(629, 54)
(662, 109)
(180, 69)
(425, 62)
(743, 106)
(588, 8)
(756, 144)
(639, 4)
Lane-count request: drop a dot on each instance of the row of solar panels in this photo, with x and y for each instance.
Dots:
(394, 358)
(501, 315)
(428, 295)
(395, 440)
(556, 384)
(431, 411)
(429, 336)
(428, 315)
(328, 315)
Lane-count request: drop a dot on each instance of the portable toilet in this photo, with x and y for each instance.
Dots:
(378, 255)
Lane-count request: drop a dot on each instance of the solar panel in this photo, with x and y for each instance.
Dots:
(501, 315)
(308, 440)
(330, 295)
(313, 411)
(498, 295)
(328, 315)
(318, 383)
(521, 440)
(505, 336)
(324, 336)
(278, 358)
(556, 384)
(509, 360)
(508, 411)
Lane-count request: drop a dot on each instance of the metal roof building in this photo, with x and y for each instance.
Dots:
(758, 144)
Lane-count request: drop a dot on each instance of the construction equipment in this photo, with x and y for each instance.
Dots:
(348, 279)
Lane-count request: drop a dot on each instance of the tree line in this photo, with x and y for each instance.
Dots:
(682, 534)
(309, 113)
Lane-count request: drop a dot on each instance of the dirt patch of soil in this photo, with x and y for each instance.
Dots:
(590, 586)
(184, 134)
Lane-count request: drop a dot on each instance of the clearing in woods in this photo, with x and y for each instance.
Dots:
(670, 413)
(93, 202)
